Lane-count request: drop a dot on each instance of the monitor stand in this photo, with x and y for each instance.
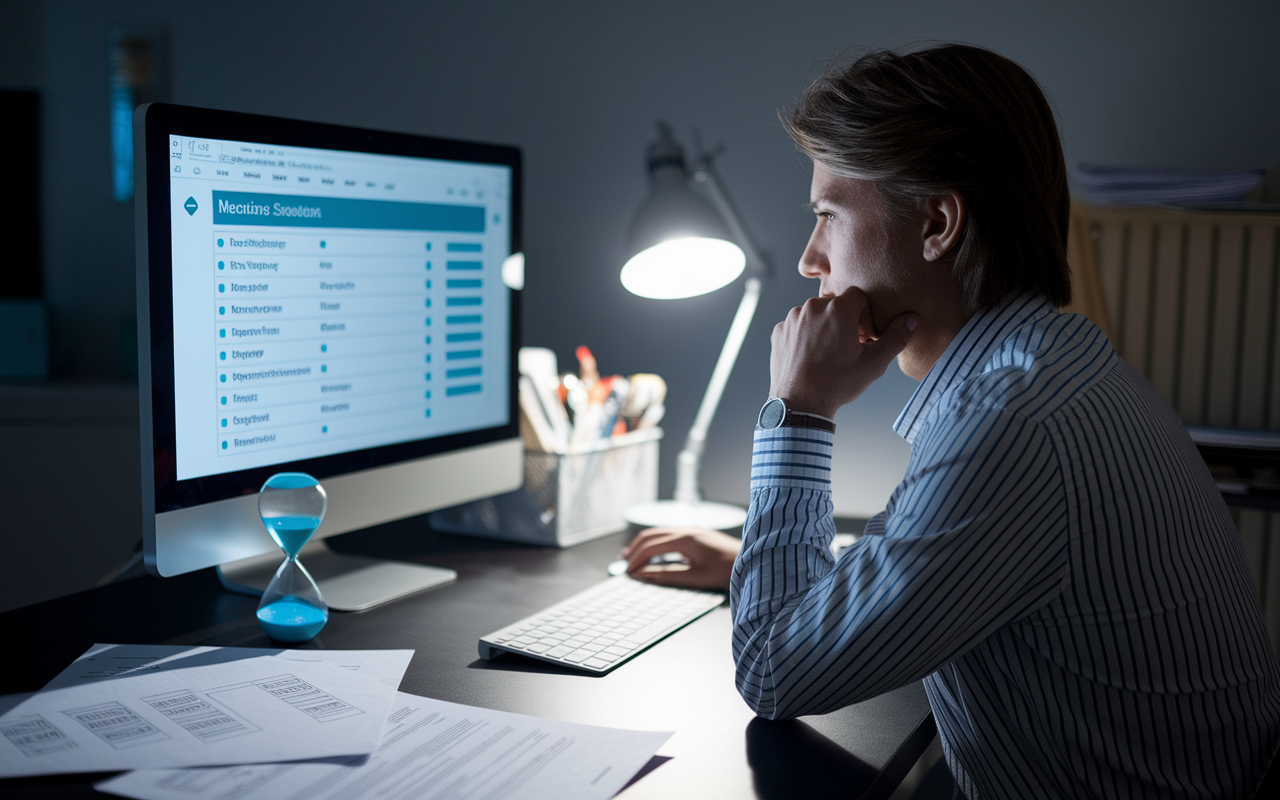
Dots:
(347, 582)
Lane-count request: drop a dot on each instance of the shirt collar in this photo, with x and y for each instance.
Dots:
(967, 354)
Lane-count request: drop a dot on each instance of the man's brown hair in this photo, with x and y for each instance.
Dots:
(953, 118)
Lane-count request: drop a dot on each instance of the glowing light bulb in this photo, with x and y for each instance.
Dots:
(684, 267)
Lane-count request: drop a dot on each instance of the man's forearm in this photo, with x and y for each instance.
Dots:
(785, 550)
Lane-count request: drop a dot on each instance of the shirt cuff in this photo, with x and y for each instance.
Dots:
(795, 458)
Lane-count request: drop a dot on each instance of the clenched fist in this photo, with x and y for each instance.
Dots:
(827, 352)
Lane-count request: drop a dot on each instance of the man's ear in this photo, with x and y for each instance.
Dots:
(944, 217)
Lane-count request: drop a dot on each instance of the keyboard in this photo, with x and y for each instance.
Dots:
(601, 627)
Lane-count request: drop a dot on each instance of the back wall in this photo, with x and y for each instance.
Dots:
(578, 86)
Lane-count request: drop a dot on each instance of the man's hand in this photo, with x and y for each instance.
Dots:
(827, 352)
(710, 555)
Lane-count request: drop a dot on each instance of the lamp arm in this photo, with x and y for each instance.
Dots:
(689, 462)
(704, 172)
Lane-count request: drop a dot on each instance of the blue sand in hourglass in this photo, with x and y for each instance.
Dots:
(292, 506)
(292, 620)
(292, 533)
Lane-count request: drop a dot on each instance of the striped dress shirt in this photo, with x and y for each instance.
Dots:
(1057, 565)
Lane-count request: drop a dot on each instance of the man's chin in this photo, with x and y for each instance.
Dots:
(908, 365)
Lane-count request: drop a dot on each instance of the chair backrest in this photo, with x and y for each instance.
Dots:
(1191, 299)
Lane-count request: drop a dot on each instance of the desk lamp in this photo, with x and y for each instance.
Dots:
(681, 245)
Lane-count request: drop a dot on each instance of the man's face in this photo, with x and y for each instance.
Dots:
(856, 243)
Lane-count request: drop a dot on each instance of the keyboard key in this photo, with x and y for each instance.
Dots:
(578, 655)
(596, 663)
(559, 652)
(607, 658)
(618, 651)
(537, 648)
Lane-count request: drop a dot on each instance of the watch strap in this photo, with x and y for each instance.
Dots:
(801, 419)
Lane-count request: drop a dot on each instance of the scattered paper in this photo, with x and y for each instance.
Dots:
(106, 661)
(251, 710)
(431, 749)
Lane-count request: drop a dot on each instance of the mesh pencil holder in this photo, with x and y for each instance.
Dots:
(567, 498)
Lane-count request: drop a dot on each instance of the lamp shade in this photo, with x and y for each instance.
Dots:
(678, 245)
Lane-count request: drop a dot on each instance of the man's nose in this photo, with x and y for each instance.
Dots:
(813, 262)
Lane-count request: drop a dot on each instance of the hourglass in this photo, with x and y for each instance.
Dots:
(291, 505)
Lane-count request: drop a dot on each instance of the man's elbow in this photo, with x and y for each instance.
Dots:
(758, 689)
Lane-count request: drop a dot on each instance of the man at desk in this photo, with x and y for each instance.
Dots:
(1057, 564)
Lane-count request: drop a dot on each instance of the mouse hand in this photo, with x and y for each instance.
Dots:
(709, 554)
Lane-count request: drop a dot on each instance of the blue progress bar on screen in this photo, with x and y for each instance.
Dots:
(462, 283)
(473, 336)
(462, 372)
(463, 247)
(462, 301)
(470, 388)
(458, 355)
(462, 265)
(462, 319)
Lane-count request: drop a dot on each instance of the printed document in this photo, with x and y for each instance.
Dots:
(244, 711)
(103, 661)
(431, 749)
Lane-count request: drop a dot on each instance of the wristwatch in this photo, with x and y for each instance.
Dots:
(775, 414)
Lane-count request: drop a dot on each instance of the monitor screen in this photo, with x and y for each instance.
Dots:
(317, 299)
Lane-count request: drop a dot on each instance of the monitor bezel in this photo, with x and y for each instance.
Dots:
(154, 123)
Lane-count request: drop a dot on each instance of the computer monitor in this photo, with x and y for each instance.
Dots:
(319, 299)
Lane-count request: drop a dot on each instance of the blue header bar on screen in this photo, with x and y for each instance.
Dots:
(252, 208)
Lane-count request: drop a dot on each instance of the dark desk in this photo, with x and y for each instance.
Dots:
(683, 684)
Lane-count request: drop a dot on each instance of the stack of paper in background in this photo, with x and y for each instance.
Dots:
(1138, 186)
(204, 722)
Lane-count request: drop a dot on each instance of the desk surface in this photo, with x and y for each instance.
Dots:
(683, 684)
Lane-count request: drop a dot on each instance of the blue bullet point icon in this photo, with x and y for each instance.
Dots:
(220, 245)
(428, 394)
(222, 378)
(222, 288)
(428, 412)
(222, 334)
(222, 356)
(190, 206)
(324, 348)
(322, 244)
(222, 309)
(224, 423)
(428, 358)
(224, 445)
(324, 367)
(224, 401)
(222, 265)
(324, 428)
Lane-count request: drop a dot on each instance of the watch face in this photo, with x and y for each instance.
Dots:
(773, 413)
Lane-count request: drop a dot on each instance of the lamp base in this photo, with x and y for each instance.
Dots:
(700, 513)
